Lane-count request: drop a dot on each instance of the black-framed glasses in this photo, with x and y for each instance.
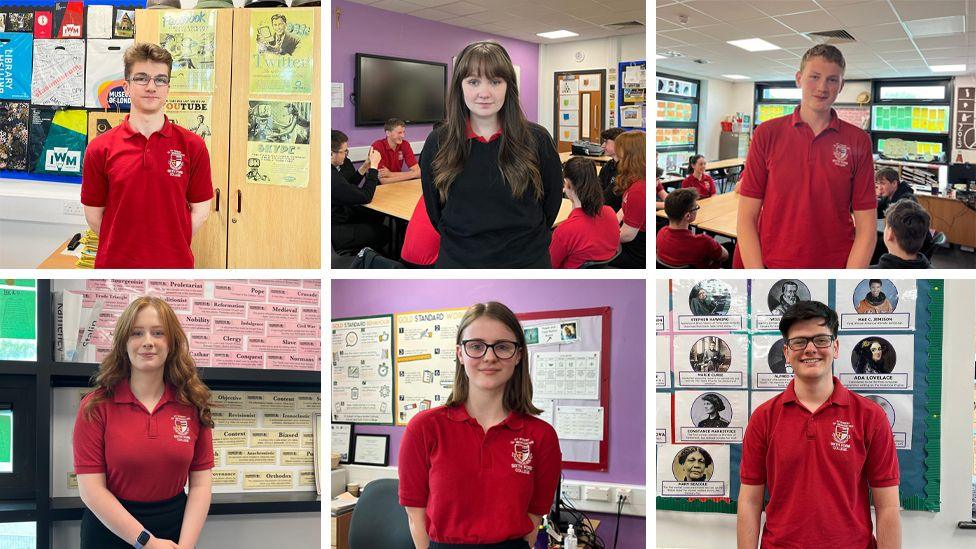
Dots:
(475, 348)
(695, 209)
(143, 79)
(819, 341)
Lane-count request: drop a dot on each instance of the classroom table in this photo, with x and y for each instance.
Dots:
(671, 181)
(59, 259)
(712, 207)
(952, 217)
(724, 164)
(564, 156)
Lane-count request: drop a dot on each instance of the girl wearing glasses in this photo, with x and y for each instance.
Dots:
(141, 435)
(481, 470)
(491, 179)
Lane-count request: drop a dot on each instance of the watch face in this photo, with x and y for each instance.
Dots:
(143, 538)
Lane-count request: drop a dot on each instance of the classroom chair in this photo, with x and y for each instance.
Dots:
(379, 520)
(594, 264)
(368, 258)
(663, 265)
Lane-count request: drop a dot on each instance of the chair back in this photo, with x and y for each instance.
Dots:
(379, 520)
(663, 265)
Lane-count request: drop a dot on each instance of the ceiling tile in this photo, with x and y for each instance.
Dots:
(865, 13)
(729, 12)
(872, 33)
(810, 22)
(695, 18)
(462, 8)
(791, 41)
(783, 7)
(910, 10)
(956, 40)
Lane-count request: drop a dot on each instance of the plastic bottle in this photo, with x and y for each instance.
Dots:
(569, 540)
(542, 540)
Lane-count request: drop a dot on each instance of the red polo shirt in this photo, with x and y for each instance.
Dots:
(144, 456)
(394, 157)
(635, 205)
(478, 487)
(705, 186)
(469, 133)
(583, 238)
(809, 186)
(421, 242)
(145, 186)
(817, 468)
(681, 247)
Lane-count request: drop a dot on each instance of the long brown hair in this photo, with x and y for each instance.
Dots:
(632, 166)
(179, 370)
(518, 390)
(581, 173)
(517, 156)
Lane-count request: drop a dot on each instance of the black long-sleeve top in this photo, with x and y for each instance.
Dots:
(608, 177)
(349, 171)
(345, 195)
(481, 224)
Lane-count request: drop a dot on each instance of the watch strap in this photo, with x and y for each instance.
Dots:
(142, 540)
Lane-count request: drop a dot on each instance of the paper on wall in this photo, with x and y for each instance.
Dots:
(99, 22)
(693, 471)
(884, 362)
(662, 370)
(568, 102)
(338, 95)
(589, 82)
(711, 361)
(569, 118)
(569, 85)
(579, 422)
(425, 345)
(899, 410)
(566, 375)
(568, 134)
(663, 428)
(892, 308)
(696, 419)
(362, 370)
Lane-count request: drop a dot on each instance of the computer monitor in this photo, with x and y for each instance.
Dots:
(962, 173)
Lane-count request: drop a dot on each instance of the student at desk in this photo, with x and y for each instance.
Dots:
(632, 186)
(396, 152)
(492, 181)
(698, 179)
(662, 194)
(906, 231)
(677, 245)
(608, 174)
(352, 228)
(482, 469)
(591, 232)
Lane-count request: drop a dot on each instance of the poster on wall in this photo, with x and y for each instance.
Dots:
(710, 304)
(362, 370)
(769, 367)
(965, 131)
(876, 304)
(662, 371)
(566, 375)
(717, 416)
(100, 122)
(662, 306)
(692, 471)
(425, 358)
(662, 433)
(885, 362)
(772, 298)
(282, 50)
(192, 113)
(711, 361)
(277, 143)
(189, 36)
(899, 411)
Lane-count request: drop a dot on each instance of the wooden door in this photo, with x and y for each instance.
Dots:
(578, 110)
(210, 243)
(272, 226)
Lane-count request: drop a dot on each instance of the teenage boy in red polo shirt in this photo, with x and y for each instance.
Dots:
(146, 186)
(677, 245)
(396, 152)
(823, 451)
(804, 175)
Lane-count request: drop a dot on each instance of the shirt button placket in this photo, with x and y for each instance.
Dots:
(485, 451)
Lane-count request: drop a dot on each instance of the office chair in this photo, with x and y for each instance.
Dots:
(594, 264)
(663, 265)
(379, 520)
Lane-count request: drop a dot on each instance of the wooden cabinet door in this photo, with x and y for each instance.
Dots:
(272, 226)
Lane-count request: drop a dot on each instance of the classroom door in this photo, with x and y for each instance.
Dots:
(578, 111)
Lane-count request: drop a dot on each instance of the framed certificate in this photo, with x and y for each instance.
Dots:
(342, 440)
(371, 450)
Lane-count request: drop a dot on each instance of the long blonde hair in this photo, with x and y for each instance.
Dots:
(179, 370)
(518, 390)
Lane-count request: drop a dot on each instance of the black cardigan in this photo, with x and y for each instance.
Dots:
(345, 195)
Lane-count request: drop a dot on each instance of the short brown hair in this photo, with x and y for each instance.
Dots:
(518, 390)
(146, 51)
(828, 52)
(392, 124)
(679, 202)
(581, 173)
(610, 134)
(338, 138)
(910, 223)
(888, 174)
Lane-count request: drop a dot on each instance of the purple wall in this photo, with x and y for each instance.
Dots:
(627, 350)
(363, 29)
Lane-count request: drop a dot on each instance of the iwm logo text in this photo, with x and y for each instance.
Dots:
(62, 160)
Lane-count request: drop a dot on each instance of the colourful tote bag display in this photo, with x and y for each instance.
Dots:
(57, 140)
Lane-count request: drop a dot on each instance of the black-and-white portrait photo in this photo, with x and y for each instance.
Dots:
(785, 294)
(873, 355)
(710, 297)
(711, 410)
(277, 39)
(710, 354)
(692, 464)
(776, 359)
(875, 296)
(889, 410)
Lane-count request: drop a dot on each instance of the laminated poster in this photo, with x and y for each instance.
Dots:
(711, 361)
(100, 122)
(771, 298)
(277, 143)
(189, 36)
(57, 140)
(192, 113)
(899, 411)
(662, 306)
(769, 367)
(693, 471)
(876, 304)
(425, 356)
(662, 372)
(709, 304)
(15, 65)
(663, 426)
(13, 135)
(105, 76)
(59, 73)
(717, 416)
(566, 375)
(362, 370)
(282, 50)
(877, 362)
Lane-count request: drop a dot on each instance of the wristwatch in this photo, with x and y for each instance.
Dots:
(142, 540)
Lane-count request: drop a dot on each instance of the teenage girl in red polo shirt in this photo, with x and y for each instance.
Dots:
(481, 470)
(143, 431)
(591, 232)
(632, 185)
(698, 179)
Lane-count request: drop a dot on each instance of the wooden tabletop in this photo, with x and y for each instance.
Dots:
(713, 207)
(564, 156)
(724, 224)
(60, 260)
(399, 200)
(727, 163)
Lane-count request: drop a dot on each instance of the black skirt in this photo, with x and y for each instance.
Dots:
(510, 544)
(163, 519)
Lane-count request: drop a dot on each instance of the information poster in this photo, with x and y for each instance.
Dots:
(6, 441)
(965, 127)
(711, 361)
(879, 362)
(769, 367)
(662, 434)
(566, 375)
(876, 304)
(689, 471)
(192, 113)
(281, 51)
(425, 360)
(662, 307)
(277, 143)
(662, 370)
(710, 416)
(189, 36)
(362, 370)
(18, 322)
(898, 409)
(710, 304)
(772, 298)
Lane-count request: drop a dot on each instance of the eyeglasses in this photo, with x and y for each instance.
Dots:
(342, 151)
(695, 209)
(475, 348)
(143, 80)
(800, 343)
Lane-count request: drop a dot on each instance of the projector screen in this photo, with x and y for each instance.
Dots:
(389, 87)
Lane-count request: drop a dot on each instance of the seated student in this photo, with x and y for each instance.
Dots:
(889, 190)
(661, 193)
(677, 245)
(396, 152)
(591, 232)
(906, 227)
(631, 184)
(352, 229)
(698, 179)
(608, 174)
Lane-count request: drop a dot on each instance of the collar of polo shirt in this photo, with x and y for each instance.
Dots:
(834, 119)
(841, 395)
(122, 393)
(459, 413)
(164, 131)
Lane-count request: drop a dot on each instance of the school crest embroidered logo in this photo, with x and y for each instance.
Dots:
(522, 454)
(841, 440)
(181, 428)
(176, 163)
(840, 154)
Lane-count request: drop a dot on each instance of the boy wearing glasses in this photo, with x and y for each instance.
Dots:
(146, 184)
(823, 441)
(677, 245)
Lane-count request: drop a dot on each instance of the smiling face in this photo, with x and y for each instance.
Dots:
(875, 289)
(820, 81)
(147, 346)
(488, 373)
(699, 167)
(811, 363)
(396, 135)
(484, 96)
(279, 26)
(148, 99)
(695, 466)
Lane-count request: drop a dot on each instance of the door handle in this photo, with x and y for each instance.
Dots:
(218, 199)
(238, 201)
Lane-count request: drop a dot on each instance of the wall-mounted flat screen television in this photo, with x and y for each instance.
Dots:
(389, 87)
